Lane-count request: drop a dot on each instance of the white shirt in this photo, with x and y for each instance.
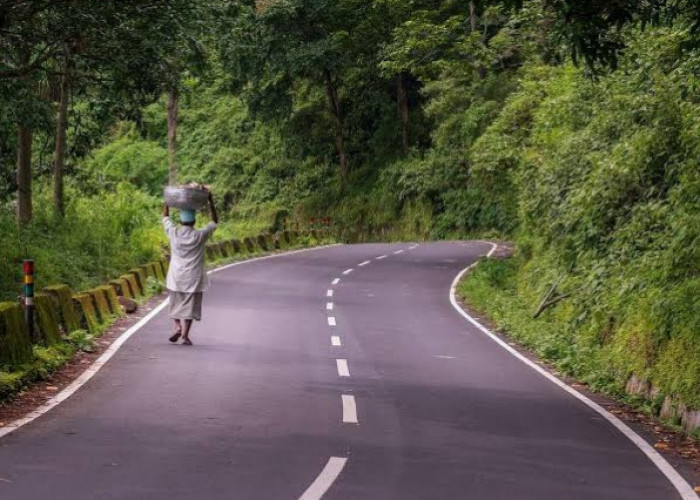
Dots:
(186, 272)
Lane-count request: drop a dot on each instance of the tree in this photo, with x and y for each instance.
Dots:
(271, 52)
(127, 50)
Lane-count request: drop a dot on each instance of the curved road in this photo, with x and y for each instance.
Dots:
(412, 401)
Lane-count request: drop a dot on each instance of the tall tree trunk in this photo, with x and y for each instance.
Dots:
(60, 152)
(334, 104)
(402, 102)
(24, 174)
(173, 102)
(472, 16)
(481, 70)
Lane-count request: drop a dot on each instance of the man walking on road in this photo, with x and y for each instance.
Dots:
(187, 278)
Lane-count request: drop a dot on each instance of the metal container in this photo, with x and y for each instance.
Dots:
(182, 197)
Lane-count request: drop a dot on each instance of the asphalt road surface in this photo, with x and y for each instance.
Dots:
(309, 380)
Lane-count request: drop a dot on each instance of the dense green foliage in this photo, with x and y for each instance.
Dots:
(100, 237)
(607, 184)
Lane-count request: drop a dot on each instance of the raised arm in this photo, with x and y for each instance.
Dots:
(212, 209)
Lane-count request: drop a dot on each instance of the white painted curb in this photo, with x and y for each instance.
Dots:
(679, 483)
(116, 345)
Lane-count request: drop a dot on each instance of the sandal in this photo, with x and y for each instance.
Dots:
(187, 342)
(175, 337)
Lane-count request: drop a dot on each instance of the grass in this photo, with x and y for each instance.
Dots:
(493, 289)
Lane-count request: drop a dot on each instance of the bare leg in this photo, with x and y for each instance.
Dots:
(186, 332)
(178, 331)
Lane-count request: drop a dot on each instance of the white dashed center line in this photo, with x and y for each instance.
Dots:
(381, 257)
(347, 271)
(398, 252)
(329, 306)
(349, 409)
(343, 368)
(331, 321)
(335, 341)
(335, 281)
(362, 264)
(329, 293)
(325, 480)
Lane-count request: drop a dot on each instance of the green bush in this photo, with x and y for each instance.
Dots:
(99, 238)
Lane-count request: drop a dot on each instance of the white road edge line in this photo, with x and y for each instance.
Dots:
(362, 264)
(381, 257)
(682, 487)
(347, 271)
(90, 372)
(335, 281)
(350, 409)
(331, 320)
(335, 341)
(329, 306)
(325, 479)
(343, 368)
(329, 293)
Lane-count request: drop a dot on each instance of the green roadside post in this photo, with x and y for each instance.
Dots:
(28, 268)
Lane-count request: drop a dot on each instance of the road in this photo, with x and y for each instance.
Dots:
(412, 401)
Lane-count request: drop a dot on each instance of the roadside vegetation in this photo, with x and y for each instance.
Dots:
(569, 127)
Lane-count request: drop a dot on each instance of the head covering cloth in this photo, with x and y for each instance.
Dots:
(187, 216)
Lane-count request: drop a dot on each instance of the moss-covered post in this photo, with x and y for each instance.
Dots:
(121, 287)
(238, 247)
(158, 271)
(110, 295)
(249, 244)
(262, 242)
(28, 268)
(63, 297)
(15, 346)
(140, 276)
(86, 310)
(47, 319)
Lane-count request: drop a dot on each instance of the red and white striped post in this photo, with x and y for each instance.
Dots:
(28, 269)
